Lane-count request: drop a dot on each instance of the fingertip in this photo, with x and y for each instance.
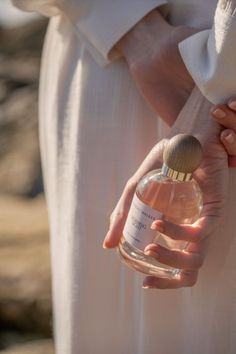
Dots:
(158, 225)
(232, 104)
(218, 113)
(152, 250)
(148, 283)
(104, 246)
(152, 246)
(146, 286)
(228, 136)
(109, 241)
(213, 108)
(108, 245)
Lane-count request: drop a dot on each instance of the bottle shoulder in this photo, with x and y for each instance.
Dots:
(169, 196)
(157, 176)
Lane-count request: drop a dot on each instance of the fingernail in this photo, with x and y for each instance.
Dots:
(146, 287)
(232, 105)
(151, 254)
(158, 226)
(153, 226)
(219, 113)
(104, 246)
(229, 138)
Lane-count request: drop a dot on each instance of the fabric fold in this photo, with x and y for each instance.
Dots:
(108, 22)
(45, 7)
(208, 56)
(99, 24)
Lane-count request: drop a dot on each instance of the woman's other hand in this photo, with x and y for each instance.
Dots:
(151, 52)
(226, 116)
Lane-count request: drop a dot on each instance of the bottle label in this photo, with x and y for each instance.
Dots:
(137, 230)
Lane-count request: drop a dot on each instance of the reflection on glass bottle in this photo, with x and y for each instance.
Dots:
(168, 194)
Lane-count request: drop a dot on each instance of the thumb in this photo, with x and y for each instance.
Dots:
(119, 216)
(120, 213)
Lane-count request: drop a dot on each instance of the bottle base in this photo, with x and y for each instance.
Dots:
(137, 260)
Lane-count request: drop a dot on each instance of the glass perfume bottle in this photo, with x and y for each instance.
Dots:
(169, 193)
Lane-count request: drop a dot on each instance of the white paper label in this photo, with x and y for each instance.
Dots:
(137, 227)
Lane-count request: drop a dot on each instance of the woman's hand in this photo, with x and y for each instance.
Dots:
(120, 213)
(152, 54)
(226, 116)
(212, 177)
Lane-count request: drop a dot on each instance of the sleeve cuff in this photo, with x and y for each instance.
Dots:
(45, 7)
(101, 29)
(210, 57)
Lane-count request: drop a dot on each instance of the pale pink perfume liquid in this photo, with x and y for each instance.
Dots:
(177, 201)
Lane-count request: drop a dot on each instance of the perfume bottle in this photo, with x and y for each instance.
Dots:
(169, 193)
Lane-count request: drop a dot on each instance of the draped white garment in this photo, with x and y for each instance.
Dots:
(95, 129)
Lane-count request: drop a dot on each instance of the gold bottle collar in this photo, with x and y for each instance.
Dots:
(176, 175)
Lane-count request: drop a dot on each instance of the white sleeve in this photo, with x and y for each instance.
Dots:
(102, 23)
(99, 24)
(45, 7)
(210, 56)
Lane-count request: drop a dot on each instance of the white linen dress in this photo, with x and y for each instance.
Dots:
(95, 129)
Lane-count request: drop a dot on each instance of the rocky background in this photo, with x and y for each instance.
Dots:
(25, 284)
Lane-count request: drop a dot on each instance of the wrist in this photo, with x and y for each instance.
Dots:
(140, 37)
(195, 119)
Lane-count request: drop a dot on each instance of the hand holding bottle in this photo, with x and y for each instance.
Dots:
(170, 194)
(212, 177)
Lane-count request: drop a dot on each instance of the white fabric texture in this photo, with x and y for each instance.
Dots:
(95, 129)
(103, 27)
(45, 7)
(99, 24)
(210, 56)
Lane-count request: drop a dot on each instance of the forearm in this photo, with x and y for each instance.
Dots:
(152, 54)
(140, 40)
(195, 119)
(99, 24)
(166, 78)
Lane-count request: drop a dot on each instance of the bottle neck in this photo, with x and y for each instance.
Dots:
(175, 175)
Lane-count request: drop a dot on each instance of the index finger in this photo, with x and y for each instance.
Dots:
(187, 232)
(187, 278)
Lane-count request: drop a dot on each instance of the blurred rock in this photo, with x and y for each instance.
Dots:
(24, 41)
(25, 285)
(20, 169)
(20, 52)
(25, 279)
(20, 72)
(37, 347)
